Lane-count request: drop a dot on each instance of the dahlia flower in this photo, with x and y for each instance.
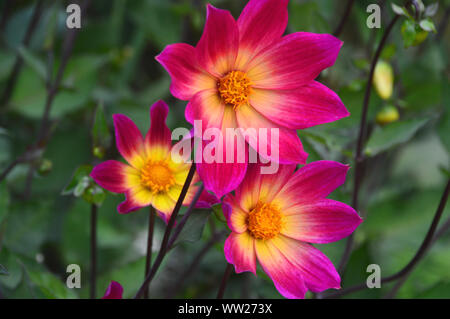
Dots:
(246, 74)
(273, 218)
(153, 176)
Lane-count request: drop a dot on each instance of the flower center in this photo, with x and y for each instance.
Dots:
(264, 221)
(234, 88)
(157, 176)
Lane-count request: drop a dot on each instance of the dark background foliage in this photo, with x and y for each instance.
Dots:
(113, 65)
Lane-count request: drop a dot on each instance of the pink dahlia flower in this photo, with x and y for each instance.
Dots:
(273, 218)
(246, 74)
(152, 176)
(114, 291)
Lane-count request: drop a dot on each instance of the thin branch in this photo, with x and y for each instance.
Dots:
(223, 284)
(12, 79)
(426, 244)
(148, 260)
(44, 129)
(359, 158)
(216, 237)
(93, 277)
(165, 241)
(344, 18)
(443, 24)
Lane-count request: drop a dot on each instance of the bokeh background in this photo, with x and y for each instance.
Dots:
(113, 65)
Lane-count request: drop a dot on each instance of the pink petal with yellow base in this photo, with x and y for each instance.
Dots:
(288, 146)
(261, 23)
(322, 221)
(307, 106)
(129, 140)
(240, 251)
(294, 61)
(188, 77)
(312, 182)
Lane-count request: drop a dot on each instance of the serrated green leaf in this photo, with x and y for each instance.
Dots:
(193, 229)
(384, 138)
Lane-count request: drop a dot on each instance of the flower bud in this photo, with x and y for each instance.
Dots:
(383, 79)
(387, 115)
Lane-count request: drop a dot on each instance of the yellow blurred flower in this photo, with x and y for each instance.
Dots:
(383, 79)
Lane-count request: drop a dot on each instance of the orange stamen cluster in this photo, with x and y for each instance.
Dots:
(157, 176)
(235, 88)
(264, 221)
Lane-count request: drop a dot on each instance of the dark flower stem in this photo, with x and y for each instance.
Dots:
(148, 260)
(183, 221)
(12, 79)
(340, 27)
(216, 237)
(428, 240)
(93, 277)
(52, 90)
(223, 284)
(165, 241)
(359, 157)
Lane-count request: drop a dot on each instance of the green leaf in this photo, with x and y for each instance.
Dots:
(100, 132)
(391, 135)
(218, 212)
(400, 10)
(33, 62)
(193, 229)
(439, 291)
(408, 31)
(4, 201)
(50, 285)
(94, 194)
(3, 271)
(427, 25)
(78, 183)
(431, 9)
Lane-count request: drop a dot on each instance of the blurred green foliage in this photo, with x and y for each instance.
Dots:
(113, 65)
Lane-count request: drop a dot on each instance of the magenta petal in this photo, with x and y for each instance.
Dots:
(221, 178)
(111, 175)
(159, 134)
(317, 271)
(313, 181)
(218, 47)
(294, 61)
(240, 251)
(114, 291)
(236, 217)
(307, 106)
(285, 276)
(323, 221)
(187, 77)
(129, 140)
(261, 23)
(207, 107)
(287, 149)
(128, 205)
(261, 187)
